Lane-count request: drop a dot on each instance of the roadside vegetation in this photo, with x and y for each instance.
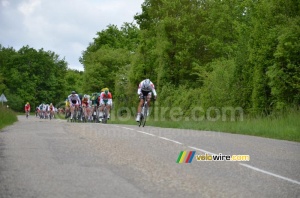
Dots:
(7, 117)
(283, 127)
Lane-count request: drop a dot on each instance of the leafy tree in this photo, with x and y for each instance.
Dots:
(32, 75)
(108, 58)
(284, 74)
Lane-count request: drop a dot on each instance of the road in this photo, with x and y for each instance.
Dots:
(43, 158)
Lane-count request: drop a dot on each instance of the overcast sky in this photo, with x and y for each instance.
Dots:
(65, 27)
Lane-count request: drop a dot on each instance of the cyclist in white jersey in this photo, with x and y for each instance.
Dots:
(44, 110)
(74, 102)
(145, 90)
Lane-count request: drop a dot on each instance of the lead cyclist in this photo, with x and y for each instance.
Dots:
(145, 90)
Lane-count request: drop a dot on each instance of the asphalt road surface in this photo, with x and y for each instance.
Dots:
(43, 158)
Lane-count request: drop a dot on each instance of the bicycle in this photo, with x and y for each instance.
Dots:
(95, 114)
(84, 114)
(51, 114)
(105, 114)
(144, 113)
(27, 113)
(42, 116)
(80, 114)
(74, 116)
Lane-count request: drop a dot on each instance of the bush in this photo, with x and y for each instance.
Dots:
(7, 117)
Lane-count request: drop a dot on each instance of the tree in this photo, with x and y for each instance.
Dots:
(32, 75)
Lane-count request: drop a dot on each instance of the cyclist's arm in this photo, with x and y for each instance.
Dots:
(139, 91)
(70, 102)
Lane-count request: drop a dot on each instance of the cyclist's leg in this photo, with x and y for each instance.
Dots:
(148, 102)
(108, 107)
(84, 117)
(139, 109)
(88, 112)
(77, 110)
(83, 111)
(93, 111)
(101, 108)
(66, 111)
(72, 108)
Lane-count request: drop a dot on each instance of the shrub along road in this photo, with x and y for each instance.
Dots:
(43, 158)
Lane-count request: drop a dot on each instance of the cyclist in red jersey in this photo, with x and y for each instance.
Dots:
(105, 99)
(27, 107)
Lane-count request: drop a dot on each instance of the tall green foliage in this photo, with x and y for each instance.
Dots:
(218, 85)
(31, 75)
(74, 82)
(271, 20)
(284, 74)
(108, 58)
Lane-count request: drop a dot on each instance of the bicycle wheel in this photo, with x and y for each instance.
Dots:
(94, 116)
(98, 116)
(145, 115)
(105, 113)
(141, 119)
(79, 115)
(73, 119)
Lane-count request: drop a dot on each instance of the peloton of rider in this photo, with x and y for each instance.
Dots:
(145, 89)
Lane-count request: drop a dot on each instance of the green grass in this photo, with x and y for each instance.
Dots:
(7, 117)
(284, 127)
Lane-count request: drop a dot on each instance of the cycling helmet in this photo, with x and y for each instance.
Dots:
(84, 96)
(27, 103)
(73, 92)
(146, 84)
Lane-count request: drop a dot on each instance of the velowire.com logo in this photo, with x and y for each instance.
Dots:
(188, 156)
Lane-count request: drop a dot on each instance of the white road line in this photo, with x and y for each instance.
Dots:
(169, 140)
(128, 128)
(204, 151)
(146, 133)
(269, 173)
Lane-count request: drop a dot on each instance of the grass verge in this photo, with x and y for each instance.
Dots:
(283, 128)
(7, 117)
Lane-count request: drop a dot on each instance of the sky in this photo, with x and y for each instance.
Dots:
(65, 27)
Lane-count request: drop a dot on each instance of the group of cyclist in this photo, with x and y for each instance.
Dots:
(45, 111)
(42, 111)
(88, 105)
(97, 102)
